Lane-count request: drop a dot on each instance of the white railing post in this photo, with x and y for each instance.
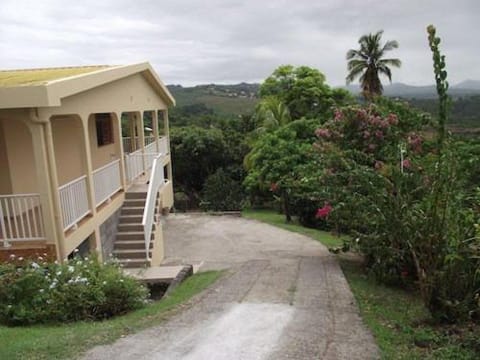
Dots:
(106, 181)
(148, 220)
(74, 201)
(21, 218)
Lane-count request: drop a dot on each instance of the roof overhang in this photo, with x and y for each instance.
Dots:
(52, 92)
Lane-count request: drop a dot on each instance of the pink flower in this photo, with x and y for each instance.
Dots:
(372, 147)
(338, 115)
(323, 212)
(323, 133)
(273, 187)
(362, 114)
(379, 134)
(378, 164)
(415, 142)
(392, 119)
(406, 164)
(366, 134)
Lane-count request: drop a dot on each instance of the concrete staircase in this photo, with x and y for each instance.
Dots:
(129, 247)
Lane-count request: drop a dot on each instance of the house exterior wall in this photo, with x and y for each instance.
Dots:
(132, 93)
(102, 155)
(108, 233)
(21, 161)
(69, 148)
(5, 179)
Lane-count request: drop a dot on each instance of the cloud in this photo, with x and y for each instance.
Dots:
(191, 42)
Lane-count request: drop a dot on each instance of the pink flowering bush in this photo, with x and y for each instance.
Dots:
(79, 289)
(363, 150)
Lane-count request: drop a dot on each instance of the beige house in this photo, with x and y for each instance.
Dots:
(84, 162)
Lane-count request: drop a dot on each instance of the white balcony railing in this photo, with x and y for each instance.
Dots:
(21, 218)
(106, 181)
(134, 165)
(139, 162)
(74, 201)
(129, 142)
(163, 145)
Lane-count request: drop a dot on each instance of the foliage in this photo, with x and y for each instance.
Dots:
(368, 63)
(401, 325)
(69, 340)
(304, 91)
(79, 289)
(278, 161)
(405, 202)
(271, 113)
(196, 154)
(222, 192)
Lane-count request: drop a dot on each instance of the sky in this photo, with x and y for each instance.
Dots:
(222, 41)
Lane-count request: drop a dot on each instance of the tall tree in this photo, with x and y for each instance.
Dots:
(304, 91)
(368, 63)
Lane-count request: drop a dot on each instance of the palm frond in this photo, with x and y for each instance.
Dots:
(391, 62)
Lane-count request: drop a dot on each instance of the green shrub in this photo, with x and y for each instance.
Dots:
(222, 192)
(79, 289)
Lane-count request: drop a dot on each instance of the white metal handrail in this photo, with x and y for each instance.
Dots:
(163, 145)
(106, 181)
(21, 218)
(74, 201)
(156, 182)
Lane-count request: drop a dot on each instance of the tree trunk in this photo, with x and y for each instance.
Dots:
(286, 207)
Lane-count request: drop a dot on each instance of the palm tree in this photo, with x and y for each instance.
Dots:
(368, 63)
(271, 113)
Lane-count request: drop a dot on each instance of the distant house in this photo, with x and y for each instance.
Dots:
(85, 162)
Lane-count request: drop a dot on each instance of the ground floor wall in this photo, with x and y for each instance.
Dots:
(46, 252)
(108, 234)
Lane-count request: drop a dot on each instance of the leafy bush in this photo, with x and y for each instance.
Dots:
(79, 289)
(222, 192)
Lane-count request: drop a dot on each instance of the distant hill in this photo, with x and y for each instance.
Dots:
(468, 87)
(469, 84)
(238, 99)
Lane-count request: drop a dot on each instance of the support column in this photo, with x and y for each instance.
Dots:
(98, 243)
(166, 125)
(45, 186)
(54, 183)
(155, 130)
(123, 176)
(132, 124)
(141, 134)
(88, 164)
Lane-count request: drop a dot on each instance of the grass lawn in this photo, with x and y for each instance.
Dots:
(276, 219)
(70, 340)
(396, 317)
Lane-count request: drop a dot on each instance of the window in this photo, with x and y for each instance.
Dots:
(104, 126)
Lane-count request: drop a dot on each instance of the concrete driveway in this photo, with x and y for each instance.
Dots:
(284, 297)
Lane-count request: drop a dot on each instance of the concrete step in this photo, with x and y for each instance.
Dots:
(136, 195)
(134, 202)
(134, 263)
(132, 235)
(126, 210)
(130, 244)
(130, 227)
(131, 254)
(131, 219)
